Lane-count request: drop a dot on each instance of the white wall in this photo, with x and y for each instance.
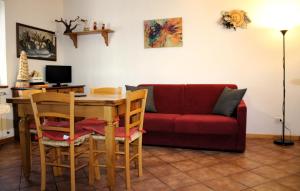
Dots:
(251, 58)
(38, 13)
(3, 73)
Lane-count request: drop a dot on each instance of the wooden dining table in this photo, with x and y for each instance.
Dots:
(106, 107)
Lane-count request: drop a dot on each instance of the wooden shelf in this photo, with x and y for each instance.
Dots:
(2, 86)
(103, 32)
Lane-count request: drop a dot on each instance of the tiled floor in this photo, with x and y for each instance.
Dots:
(263, 167)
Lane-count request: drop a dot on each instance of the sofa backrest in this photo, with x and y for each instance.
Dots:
(201, 98)
(168, 98)
(187, 98)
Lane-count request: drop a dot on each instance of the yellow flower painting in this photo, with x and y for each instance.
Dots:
(163, 33)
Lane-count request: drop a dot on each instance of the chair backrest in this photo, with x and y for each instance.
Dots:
(41, 105)
(27, 93)
(135, 109)
(106, 90)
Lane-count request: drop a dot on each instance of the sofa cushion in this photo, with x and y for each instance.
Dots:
(168, 98)
(159, 122)
(150, 105)
(228, 101)
(201, 98)
(205, 124)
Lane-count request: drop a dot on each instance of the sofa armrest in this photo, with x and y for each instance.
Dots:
(242, 120)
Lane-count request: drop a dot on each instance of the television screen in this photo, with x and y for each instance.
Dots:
(58, 74)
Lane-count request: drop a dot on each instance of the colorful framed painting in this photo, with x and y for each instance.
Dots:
(163, 33)
(37, 43)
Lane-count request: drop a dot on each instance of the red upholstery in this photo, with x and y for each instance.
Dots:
(91, 124)
(201, 98)
(185, 119)
(205, 124)
(63, 136)
(159, 122)
(82, 127)
(168, 98)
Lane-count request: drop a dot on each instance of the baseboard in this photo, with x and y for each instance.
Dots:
(268, 136)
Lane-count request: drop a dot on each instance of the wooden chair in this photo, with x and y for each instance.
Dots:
(26, 94)
(59, 134)
(106, 90)
(129, 135)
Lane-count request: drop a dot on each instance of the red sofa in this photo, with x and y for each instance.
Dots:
(184, 118)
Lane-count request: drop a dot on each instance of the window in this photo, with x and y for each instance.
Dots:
(3, 69)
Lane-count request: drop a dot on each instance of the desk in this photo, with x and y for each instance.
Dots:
(106, 107)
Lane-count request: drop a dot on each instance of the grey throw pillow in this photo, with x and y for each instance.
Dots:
(150, 105)
(228, 101)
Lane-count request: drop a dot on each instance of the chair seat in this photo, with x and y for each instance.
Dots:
(120, 134)
(89, 124)
(78, 141)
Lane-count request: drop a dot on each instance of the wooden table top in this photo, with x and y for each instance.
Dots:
(89, 99)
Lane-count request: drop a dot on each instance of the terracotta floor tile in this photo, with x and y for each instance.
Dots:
(38, 188)
(227, 156)
(189, 154)
(227, 169)
(134, 175)
(269, 172)
(271, 186)
(163, 170)
(287, 166)
(152, 161)
(266, 160)
(224, 183)
(263, 166)
(178, 180)
(195, 187)
(173, 157)
(249, 179)
(292, 181)
(186, 165)
(246, 163)
(150, 185)
(203, 174)
(156, 151)
(206, 161)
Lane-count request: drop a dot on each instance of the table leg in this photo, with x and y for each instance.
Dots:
(110, 151)
(25, 146)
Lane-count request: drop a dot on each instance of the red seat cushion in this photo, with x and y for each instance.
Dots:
(64, 136)
(88, 124)
(159, 122)
(205, 124)
(51, 123)
(91, 124)
(82, 127)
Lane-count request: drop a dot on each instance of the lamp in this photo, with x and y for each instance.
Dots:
(282, 140)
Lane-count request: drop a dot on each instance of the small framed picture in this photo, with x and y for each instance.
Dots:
(37, 43)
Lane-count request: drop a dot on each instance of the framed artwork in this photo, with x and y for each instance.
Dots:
(37, 43)
(163, 33)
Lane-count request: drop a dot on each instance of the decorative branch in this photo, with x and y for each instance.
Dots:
(68, 25)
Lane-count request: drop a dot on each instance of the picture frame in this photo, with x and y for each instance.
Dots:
(38, 43)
